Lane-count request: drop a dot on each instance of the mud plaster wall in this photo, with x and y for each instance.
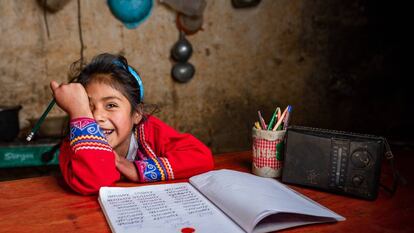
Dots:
(332, 60)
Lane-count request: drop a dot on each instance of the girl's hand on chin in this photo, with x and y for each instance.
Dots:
(72, 98)
(126, 168)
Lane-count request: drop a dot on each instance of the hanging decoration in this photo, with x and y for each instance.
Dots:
(131, 12)
(189, 14)
(189, 21)
(244, 3)
(51, 6)
(182, 50)
(189, 24)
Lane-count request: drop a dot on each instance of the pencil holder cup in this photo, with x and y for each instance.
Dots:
(268, 152)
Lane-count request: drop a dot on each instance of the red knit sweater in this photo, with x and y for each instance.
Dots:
(87, 161)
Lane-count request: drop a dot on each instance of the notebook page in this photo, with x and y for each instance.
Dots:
(247, 198)
(162, 208)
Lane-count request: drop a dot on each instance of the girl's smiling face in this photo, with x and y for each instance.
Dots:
(112, 111)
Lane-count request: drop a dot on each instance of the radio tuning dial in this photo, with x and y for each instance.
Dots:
(361, 158)
(357, 180)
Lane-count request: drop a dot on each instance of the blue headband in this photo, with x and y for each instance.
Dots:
(136, 76)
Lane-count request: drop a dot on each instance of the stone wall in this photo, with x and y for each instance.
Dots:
(322, 57)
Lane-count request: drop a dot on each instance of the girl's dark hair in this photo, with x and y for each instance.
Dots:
(116, 75)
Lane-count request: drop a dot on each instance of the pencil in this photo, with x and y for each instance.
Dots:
(279, 121)
(257, 125)
(40, 121)
(273, 119)
(43, 117)
(286, 120)
(262, 122)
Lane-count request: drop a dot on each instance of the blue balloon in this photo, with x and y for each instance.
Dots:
(131, 12)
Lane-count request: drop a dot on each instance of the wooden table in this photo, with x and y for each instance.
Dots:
(45, 204)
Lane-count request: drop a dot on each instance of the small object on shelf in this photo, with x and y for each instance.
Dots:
(9, 122)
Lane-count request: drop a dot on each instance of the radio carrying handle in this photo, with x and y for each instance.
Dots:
(396, 176)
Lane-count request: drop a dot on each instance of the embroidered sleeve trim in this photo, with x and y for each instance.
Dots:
(148, 151)
(155, 168)
(85, 134)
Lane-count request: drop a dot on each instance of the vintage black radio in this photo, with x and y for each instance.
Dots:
(335, 161)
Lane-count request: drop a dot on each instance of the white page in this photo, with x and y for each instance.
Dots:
(162, 208)
(247, 199)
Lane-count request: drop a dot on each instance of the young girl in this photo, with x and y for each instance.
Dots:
(110, 134)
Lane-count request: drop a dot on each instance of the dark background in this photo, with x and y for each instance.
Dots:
(343, 65)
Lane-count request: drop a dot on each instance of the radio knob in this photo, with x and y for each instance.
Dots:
(361, 158)
(357, 180)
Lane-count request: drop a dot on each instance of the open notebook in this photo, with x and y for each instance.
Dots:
(216, 201)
